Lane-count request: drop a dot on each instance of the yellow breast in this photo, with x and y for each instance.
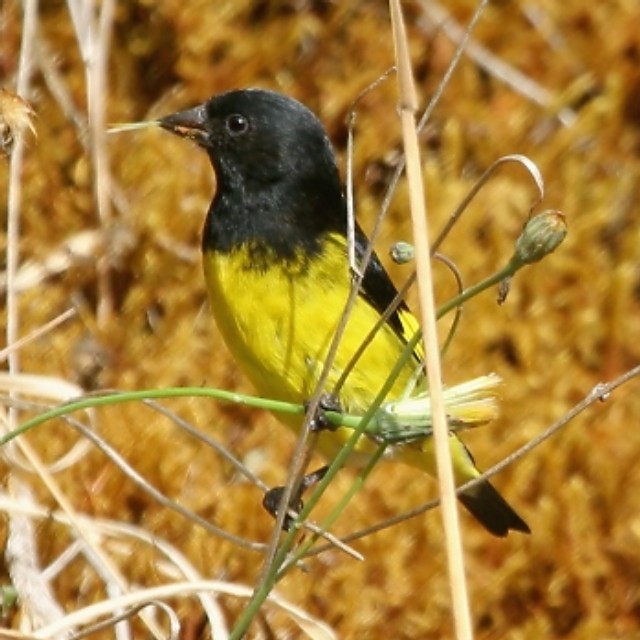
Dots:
(279, 322)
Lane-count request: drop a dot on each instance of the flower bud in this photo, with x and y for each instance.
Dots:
(402, 252)
(541, 235)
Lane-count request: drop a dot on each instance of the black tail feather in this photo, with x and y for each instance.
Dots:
(492, 510)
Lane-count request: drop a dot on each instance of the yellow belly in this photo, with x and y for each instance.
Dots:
(279, 324)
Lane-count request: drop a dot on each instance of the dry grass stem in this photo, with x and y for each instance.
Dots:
(408, 109)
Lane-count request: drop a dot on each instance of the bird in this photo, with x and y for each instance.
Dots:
(275, 256)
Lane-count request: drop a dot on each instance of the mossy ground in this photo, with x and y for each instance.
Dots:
(569, 322)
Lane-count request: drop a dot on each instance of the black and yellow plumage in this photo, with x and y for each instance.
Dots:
(276, 267)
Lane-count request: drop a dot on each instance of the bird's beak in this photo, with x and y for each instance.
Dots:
(188, 124)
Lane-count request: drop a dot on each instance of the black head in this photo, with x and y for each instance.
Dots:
(277, 180)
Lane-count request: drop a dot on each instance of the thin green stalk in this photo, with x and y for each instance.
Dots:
(506, 272)
(328, 522)
(118, 397)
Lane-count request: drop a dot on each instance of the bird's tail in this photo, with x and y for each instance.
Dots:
(492, 511)
(482, 500)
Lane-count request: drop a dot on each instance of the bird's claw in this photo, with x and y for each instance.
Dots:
(319, 421)
(273, 498)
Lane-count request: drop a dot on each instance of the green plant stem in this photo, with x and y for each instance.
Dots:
(506, 272)
(118, 397)
(274, 573)
(328, 522)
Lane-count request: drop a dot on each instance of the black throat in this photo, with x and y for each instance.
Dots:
(274, 218)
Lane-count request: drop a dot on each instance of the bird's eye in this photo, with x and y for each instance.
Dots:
(237, 124)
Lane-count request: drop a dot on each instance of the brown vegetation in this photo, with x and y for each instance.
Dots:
(568, 323)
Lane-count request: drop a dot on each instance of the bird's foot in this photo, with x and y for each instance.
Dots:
(273, 498)
(319, 421)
